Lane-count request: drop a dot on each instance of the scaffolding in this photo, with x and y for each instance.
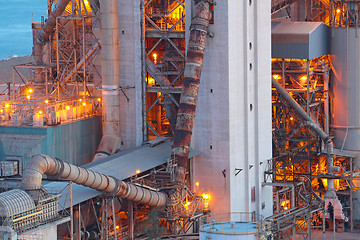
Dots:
(163, 57)
(298, 153)
(63, 87)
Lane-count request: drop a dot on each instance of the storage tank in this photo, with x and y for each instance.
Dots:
(230, 226)
(345, 52)
(345, 56)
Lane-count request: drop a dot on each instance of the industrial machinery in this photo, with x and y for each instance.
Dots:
(128, 63)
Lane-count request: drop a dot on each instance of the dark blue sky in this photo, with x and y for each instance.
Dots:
(15, 25)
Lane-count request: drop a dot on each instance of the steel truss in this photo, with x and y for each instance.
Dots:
(68, 71)
(163, 58)
(298, 209)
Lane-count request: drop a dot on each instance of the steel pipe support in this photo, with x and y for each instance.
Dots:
(43, 164)
(317, 129)
(47, 29)
(193, 66)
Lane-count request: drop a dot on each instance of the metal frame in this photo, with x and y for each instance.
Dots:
(164, 36)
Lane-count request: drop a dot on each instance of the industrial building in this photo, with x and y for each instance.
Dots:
(184, 119)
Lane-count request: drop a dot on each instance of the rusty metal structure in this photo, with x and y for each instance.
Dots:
(187, 106)
(299, 151)
(59, 84)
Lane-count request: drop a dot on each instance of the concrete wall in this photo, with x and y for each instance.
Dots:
(130, 73)
(233, 116)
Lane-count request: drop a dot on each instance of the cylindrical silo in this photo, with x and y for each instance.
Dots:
(345, 54)
(345, 50)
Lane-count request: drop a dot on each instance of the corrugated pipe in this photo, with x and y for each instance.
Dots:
(110, 78)
(317, 129)
(42, 164)
(193, 66)
(44, 34)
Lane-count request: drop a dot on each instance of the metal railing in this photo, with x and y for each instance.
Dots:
(238, 223)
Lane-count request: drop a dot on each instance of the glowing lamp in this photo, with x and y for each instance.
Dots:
(197, 184)
(276, 76)
(338, 10)
(206, 196)
(30, 90)
(137, 171)
(67, 107)
(99, 99)
(7, 105)
(117, 226)
(28, 97)
(155, 58)
(84, 104)
(80, 99)
(46, 101)
(40, 112)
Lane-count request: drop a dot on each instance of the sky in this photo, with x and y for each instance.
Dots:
(16, 17)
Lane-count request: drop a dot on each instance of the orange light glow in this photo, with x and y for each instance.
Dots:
(30, 90)
(291, 118)
(67, 107)
(80, 99)
(155, 58)
(46, 101)
(151, 82)
(206, 196)
(28, 97)
(137, 171)
(40, 112)
(1, 111)
(187, 204)
(7, 105)
(197, 184)
(303, 78)
(117, 227)
(276, 76)
(84, 104)
(99, 99)
(338, 10)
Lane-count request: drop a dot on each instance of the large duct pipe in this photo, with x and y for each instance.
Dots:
(317, 129)
(42, 164)
(44, 34)
(110, 78)
(188, 99)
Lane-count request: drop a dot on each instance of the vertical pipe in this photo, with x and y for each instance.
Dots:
(13, 95)
(351, 196)
(114, 218)
(188, 99)
(307, 87)
(71, 212)
(110, 78)
(143, 72)
(131, 219)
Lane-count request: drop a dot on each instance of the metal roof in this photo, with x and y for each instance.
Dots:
(299, 40)
(121, 165)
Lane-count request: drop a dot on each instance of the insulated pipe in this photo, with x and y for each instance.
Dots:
(110, 78)
(189, 94)
(44, 34)
(43, 164)
(320, 132)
